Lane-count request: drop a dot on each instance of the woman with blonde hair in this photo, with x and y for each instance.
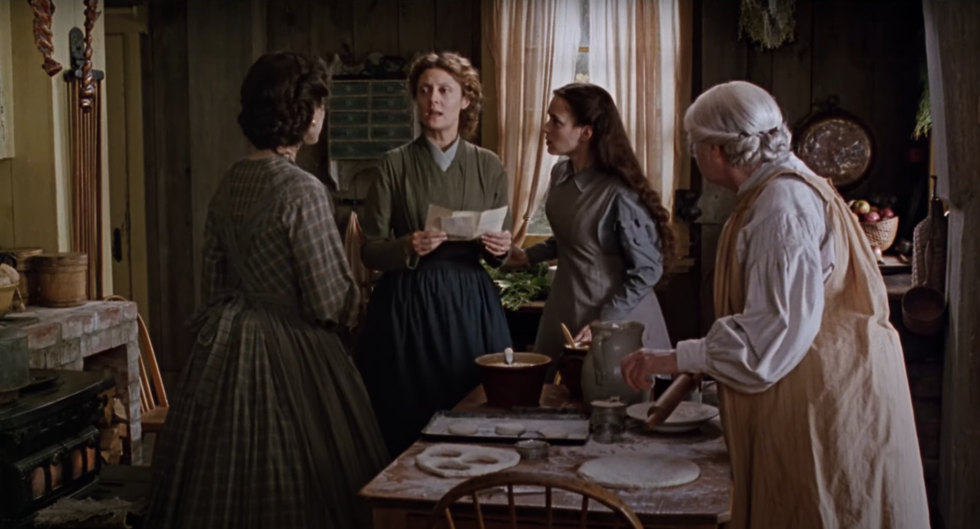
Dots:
(814, 396)
(435, 309)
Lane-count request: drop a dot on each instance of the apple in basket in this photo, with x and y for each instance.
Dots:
(886, 213)
(872, 216)
(861, 207)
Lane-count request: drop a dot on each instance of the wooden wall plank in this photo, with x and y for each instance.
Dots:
(952, 39)
(375, 27)
(897, 47)
(168, 173)
(219, 49)
(454, 27)
(332, 27)
(759, 67)
(288, 25)
(842, 62)
(416, 27)
(791, 80)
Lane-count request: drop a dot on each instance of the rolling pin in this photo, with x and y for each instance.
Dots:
(672, 396)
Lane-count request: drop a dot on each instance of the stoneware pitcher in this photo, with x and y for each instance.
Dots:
(601, 374)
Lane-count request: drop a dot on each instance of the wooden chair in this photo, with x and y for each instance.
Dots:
(510, 478)
(153, 398)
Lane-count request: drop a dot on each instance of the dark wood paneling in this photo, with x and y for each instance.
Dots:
(416, 27)
(168, 174)
(842, 61)
(289, 25)
(791, 66)
(375, 27)
(454, 27)
(953, 38)
(332, 27)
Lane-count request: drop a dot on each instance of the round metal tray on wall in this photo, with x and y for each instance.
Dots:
(836, 145)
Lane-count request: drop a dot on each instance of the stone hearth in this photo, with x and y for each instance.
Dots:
(94, 336)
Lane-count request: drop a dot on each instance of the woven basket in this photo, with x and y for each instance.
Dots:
(7, 298)
(882, 233)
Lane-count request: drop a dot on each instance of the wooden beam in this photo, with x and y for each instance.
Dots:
(952, 41)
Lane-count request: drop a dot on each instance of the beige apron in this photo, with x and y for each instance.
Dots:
(833, 444)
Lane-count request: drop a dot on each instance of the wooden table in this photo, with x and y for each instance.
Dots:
(402, 496)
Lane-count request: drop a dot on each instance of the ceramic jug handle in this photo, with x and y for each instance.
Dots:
(598, 363)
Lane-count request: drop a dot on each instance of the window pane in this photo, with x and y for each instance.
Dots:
(539, 221)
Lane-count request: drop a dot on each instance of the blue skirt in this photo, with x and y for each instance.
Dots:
(422, 332)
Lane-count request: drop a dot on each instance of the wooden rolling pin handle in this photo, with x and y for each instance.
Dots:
(672, 396)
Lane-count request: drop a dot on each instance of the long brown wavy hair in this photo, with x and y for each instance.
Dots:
(464, 73)
(592, 106)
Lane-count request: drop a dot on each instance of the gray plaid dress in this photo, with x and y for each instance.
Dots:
(272, 426)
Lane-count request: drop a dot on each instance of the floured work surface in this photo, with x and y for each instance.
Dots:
(705, 500)
(556, 428)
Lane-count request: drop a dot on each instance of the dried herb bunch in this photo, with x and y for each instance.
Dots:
(768, 22)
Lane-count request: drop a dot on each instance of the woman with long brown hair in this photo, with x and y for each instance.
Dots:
(612, 236)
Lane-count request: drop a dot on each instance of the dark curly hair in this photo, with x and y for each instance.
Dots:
(592, 106)
(279, 95)
(464, 73)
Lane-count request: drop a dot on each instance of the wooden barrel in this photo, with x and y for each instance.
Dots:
(63, 279)
(28, 275)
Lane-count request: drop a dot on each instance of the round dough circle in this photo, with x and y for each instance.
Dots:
(510, 428)
(554, 432)
(465, 461)
(640, 471)
(463, 428)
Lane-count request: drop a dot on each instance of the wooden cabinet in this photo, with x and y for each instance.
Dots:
(368, 118)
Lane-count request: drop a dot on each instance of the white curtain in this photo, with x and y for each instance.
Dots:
(639, 52)
(533, 46)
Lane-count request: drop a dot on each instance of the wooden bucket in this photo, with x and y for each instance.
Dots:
(63, 279)
(28, 275)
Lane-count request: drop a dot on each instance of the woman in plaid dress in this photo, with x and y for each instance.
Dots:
(272, 426)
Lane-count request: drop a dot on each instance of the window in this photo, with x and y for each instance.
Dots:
(539, 221)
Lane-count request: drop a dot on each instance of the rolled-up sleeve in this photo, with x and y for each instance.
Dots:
(784, 307)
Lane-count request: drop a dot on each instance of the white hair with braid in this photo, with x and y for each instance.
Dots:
(743, 119)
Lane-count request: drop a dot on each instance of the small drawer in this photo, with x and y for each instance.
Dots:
(349, 103)
(389, 88)
(391, 133)
(348, 118)
(348, 133)
(389, 103)
(391, 118)
(341, 88)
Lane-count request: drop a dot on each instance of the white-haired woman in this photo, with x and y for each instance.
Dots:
(815, 400)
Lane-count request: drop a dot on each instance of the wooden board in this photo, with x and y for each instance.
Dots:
(416, 27)
(952, 39)
(437, 429)
(791, 65)
(168, 182)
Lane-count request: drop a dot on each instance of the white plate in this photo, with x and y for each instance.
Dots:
(686, 417)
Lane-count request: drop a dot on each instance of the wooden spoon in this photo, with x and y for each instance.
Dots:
(568, 336)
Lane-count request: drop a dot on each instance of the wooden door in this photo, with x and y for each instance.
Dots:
(127, 199)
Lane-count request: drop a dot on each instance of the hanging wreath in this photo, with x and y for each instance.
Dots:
(768, 22)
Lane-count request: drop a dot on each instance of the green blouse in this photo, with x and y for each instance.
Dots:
(409, 180)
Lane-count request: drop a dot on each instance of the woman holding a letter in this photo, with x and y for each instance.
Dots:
(435, 308)
(611, 233)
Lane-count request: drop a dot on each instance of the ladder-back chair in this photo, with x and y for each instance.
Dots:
(153, 396)
(510, 479)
